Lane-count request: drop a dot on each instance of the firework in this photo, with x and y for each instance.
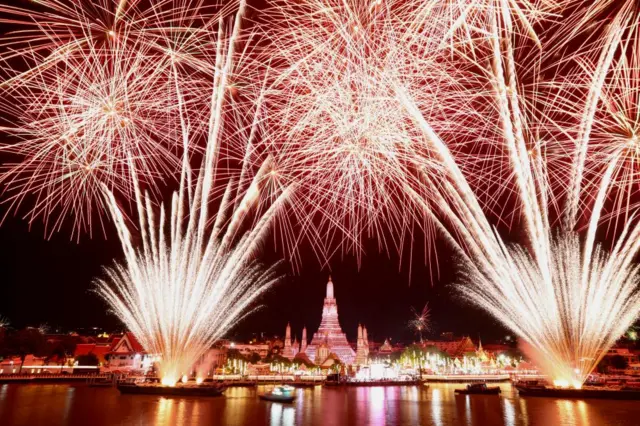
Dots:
(52, 30)
(464, 20)
(4, 322)
(564, 294)
(194, 275)
(105, 83)
(336, 129)
(598, 107)
(79, 124)
(421, 321)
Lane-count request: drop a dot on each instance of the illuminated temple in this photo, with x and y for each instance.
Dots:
(328, 340)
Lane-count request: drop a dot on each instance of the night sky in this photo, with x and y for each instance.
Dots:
(50, 281)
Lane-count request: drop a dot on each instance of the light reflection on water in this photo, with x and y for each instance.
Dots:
(282, 415)
(434, 405)
(509, 412)
(375, 399)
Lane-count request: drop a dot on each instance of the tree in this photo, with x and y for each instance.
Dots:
(432, 349)
(254, 358)
(87, 360)
(337, 366)
(235, 354)
(28, 341)
(62, 348)
(277, 359)
(394, 357)
(619, 362)
(302, 359)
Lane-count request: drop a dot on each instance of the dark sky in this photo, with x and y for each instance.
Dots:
(50, 281)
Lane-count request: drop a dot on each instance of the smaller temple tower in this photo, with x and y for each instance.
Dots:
(365, 338)
(288, 350)
(303, 343)
(295, 348)
(362, 347)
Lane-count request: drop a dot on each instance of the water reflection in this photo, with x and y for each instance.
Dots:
(509, 412)
(436, 407)
(467, 408)
(164, 411)
(68, 401)
(523, 409)
(3, 393)
(78, 405)
(582, 409)
(376, 405)
(573, 412)
(281, 415)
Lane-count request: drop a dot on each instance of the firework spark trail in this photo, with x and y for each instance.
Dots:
(565, 295)
(79, 124)
(421, 321)
(614, 38)
(191, 279)
(605, 84)
(337, 129)
(463, 18)
(102, 87)
(336, 126)
(58, 28)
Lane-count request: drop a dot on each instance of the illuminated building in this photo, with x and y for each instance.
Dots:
(329, 333)
(128, 354)
(452, 347)
(288, 351)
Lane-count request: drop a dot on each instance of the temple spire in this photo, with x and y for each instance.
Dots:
(330, 288)
(288, 349)
(303, 343)
(329, 333)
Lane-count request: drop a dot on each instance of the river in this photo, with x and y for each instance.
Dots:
(79, 405)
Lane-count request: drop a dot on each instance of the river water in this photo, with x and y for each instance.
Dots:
(79, 405)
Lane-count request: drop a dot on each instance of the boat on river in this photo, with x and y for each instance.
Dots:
(178, 390)
(280, 394)
(479, 389)
(102, 382)
(620, 393)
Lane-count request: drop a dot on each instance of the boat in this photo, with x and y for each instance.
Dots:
(178, 390)
(103, 382)
(279, 394)
(479, 389)
(620, 393)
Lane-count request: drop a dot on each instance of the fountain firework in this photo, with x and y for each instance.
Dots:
(356, 73)
(565, 295)
(194, 274)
